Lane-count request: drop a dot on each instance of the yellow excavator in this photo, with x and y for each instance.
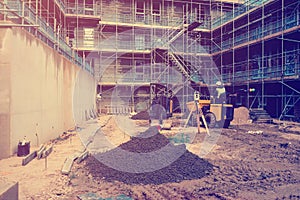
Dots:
(210, 112)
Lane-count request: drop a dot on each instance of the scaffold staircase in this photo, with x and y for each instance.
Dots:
(166, 51)
(289, 102)
(179, 64)
(260, 115)
(169, 38)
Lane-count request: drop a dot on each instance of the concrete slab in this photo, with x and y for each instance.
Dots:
(66, 169)
(28, 158)
(9, 190)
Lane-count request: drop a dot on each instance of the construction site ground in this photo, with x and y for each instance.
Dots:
(248, 161)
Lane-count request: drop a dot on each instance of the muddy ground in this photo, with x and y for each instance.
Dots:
(250, 161)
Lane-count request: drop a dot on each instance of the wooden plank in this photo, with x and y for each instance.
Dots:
(40, 151)
(28, 158)
(66, 169)
(67, 166)
(47, 151)
(82, 156)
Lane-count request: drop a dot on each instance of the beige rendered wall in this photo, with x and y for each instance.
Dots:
(4, 99)
(47, 92)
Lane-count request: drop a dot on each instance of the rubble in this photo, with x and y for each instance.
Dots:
(241, 116)
(259, 132)
(143, 115)
(262, 166)
(188, 166)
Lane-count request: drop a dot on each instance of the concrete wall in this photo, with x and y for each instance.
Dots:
(4, 99)
(42, 94)
(9, 190)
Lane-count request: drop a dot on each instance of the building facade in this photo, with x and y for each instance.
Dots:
(141, 50)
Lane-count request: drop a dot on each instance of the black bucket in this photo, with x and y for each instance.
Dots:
(23, 149)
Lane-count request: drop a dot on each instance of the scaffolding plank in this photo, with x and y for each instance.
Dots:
(41, 151)
(29, 158)
(82, 156)
(47, 151)
(66, 169)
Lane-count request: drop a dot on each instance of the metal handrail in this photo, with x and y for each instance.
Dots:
(13, 7)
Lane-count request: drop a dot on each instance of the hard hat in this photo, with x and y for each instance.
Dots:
(218, 83)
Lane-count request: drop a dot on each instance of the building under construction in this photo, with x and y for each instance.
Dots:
(138, 51)
(149, 99)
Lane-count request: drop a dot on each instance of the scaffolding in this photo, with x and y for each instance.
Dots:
(251, 44)
(257, 48)
(125, 40)
(33, 16)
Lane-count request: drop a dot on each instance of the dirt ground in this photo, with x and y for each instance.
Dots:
(249, 161)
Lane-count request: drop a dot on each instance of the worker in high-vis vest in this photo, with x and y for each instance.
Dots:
(220, 93)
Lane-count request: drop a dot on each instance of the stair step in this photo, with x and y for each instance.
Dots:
(264, 117)
(260, 116)
(258, 110)
(251, 113)
(264, 121)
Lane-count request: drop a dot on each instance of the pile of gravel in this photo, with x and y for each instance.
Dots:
(156, 150)
(145, 142)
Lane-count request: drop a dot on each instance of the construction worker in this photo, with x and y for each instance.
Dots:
(220, 92)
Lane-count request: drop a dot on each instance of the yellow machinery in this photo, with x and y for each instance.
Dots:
(209, 113)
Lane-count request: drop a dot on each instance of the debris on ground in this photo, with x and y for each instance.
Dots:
(241, 116)
(284, 145)
(82, 156)
(241, 166)
(64, 136)
(41, 151)
(289, 128)
(67, 166)
(94, 196)
(260, 115)
(47, 151)
(167, 124)
(186, 166)
(259, 132)
(143, 115)
(29, 158)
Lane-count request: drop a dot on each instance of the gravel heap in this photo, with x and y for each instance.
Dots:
(145, 142)
(188, 166)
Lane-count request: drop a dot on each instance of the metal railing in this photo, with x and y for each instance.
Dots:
(241, 9)
(119, 15)
(259, 30)
(137, 78)
(44, 31)
(132, 41)
(269, 67)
